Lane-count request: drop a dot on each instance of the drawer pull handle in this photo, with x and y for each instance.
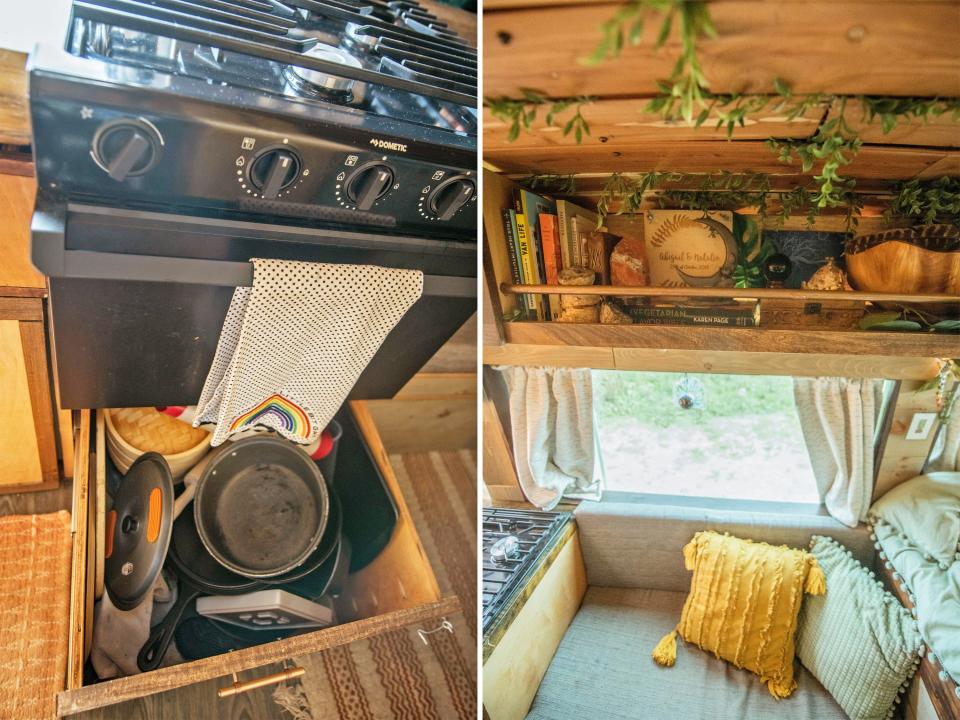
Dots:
(242, 687)
(445, 625)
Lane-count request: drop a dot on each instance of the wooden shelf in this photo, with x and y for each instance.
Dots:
(728, 339)
(749, 351)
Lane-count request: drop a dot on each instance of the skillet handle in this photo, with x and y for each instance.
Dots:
(153, 650)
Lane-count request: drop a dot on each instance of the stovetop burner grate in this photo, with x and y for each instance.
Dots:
(398, 45)
(506, 563)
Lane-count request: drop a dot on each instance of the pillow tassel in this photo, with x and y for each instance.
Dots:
(816, 583)
(780, 688)
(665, 653)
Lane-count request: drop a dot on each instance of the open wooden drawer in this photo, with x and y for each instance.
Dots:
(397, 589)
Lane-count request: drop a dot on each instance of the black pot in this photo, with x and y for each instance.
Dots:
(261, 507)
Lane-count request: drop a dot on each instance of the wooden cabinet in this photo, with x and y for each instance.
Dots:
(28, 447)
(29, 421)
(397, 590)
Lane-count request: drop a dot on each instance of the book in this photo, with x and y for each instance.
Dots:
(745, 314)
(510, 235)
(530, 205)
(552, 258)
(528, 268)
(569, 238)
(550, 241)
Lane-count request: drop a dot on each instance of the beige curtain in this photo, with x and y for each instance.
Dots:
(839, 417)
(555, 442)
(946, 450)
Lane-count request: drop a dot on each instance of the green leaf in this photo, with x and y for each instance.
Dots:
(781, 86)
(908, 325)
(664, 31)
(947, 326)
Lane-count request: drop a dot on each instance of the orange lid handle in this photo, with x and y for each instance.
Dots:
(111, 529)
(154, 512)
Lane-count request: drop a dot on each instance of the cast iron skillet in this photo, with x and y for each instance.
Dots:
(261, 507)
(198, 573)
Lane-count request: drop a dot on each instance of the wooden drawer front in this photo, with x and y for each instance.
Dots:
(398, 589)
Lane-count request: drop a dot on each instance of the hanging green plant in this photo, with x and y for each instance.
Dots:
(722, 190)
(927, 201)
(556, 184)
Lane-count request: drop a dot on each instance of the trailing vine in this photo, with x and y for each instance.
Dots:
(522, 113)
(921, 200)
(556, 184)
(687, 85)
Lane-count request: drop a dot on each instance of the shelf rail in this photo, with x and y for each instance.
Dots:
(729, 293)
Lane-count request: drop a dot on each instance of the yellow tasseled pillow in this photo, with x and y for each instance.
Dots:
(743, 605)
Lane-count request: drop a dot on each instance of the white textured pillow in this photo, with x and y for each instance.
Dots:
(856, 639)
(926, 510)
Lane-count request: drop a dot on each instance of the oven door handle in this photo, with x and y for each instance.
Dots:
(51, 257)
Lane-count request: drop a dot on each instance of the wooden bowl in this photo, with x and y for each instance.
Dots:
(131, 432)
(919, 259)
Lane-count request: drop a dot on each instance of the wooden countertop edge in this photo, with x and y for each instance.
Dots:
(14, 107)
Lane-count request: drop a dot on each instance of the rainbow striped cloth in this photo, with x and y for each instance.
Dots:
(293, 345)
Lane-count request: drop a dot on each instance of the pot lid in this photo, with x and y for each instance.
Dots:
(138, 531)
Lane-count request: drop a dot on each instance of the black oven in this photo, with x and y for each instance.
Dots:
(139, 297)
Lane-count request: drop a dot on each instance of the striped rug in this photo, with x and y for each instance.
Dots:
(396, 675)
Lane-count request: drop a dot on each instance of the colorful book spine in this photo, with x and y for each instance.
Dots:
(526, 204)
(748, 316)
(568, 247)
(528, 266)
(510, 234)
(552, 257)
(550, 239)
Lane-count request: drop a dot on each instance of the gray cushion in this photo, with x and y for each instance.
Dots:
(603, 669)
(638, 543)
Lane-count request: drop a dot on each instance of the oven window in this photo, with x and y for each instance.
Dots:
(720, 436)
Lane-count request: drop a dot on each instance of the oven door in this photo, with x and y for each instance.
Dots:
(138, 298)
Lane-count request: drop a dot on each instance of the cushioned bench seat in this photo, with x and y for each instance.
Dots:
(603, 670)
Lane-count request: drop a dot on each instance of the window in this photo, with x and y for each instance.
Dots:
(723, 436)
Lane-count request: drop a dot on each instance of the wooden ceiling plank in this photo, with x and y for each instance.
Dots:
(616, 122)
(873, 162)
(817, 46)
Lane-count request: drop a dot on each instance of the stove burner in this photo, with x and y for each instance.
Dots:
(505, 549)
(316, 83)
(513, 540)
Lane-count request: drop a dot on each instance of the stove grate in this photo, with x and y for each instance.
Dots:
(534, 531)
(422, 56)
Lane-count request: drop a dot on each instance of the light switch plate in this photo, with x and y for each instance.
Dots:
(921, 425)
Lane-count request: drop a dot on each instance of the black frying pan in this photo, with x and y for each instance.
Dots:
(261, 507)
(198, 573)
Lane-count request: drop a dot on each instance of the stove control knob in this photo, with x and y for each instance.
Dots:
(451, 195)
(126, 148)
(368, 183)
(273, 170)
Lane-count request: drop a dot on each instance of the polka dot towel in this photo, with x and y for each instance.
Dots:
(293, 345)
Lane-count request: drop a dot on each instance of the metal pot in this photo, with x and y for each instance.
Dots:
(261, 507)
